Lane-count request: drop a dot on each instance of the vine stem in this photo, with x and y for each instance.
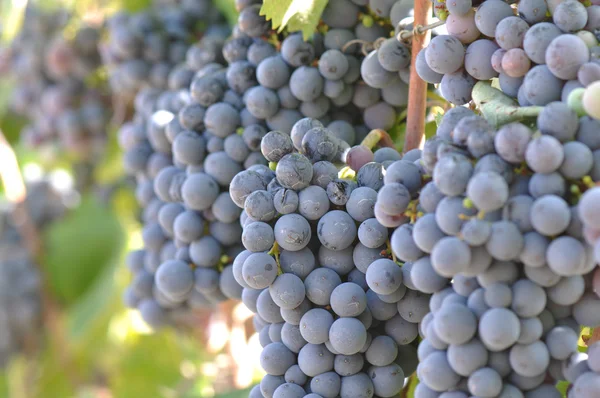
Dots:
(378, 136)
(417, 88)
(16, 193)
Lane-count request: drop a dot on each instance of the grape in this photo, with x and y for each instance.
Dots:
(314, 359)
(477, 59)
(393, 55)
(528, 298)
(358, 156)
(456, 87)
(336, 230)
(384, 276)
(319, 284)
(588, 73)
(296, 52)
(578, 160)
(529, 359)
(532, 11)
(387, 380)
(445, 54)
(534, 249)
(588, 208)
(455, 324)
(292, 232)
(315, 324)
(275, 359)
(286, 201)
(287, 291)
(259, 270)
(485, 382)
(566, 47)
(436, 372)
(468, 357)
(174, 278)
(510, 32)
(499, 329)
(348, 299)
(511, 142)
(570, 17)
(450, 256)
(357, 385)
(489, 14)
(424, 71)
(373, 72)
(590, 100)
(382, 351)
(515, 63)
(299, 87)
(276, 145)
(463, 27)
(550, 215)
(313, 202)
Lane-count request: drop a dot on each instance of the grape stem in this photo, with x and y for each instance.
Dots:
(404, 35)
(417, 88)
(275, 253)
(16, 192)
(376, 137)
(498, 108)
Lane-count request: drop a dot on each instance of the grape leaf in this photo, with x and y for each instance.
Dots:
(296, 15)
(498, 108)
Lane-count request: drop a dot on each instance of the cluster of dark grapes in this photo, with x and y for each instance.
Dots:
(537, 58)
(332, 312)
(20, 299)
(145, 47)
(52, 72)
(587, 379)
(502, 232)
(188, 141)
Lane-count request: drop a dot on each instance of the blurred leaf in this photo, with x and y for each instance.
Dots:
(296, 15)
(133, 5)
(79, 247)
(236, 394)
(430, 129)
(86, 314)
(147, 367)
(227, 7)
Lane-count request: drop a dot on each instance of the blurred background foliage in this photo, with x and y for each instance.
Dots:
(95, 346)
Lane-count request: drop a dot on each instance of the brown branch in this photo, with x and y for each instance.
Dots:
(16, 192)
(417, 88)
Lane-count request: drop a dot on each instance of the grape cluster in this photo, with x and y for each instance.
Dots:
(537, 58)
(52, 72)
(333, 314)
(328, 77)
(187, 142)
(20, 301)
(143, 48)
(501, 232)
(585, 373)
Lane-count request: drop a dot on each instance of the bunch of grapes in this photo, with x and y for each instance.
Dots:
(145, 47)
(52, 68)
(503, 238)
(333, 313)
(586, 373)
(187, 142)
(20, 298)
(537, 58)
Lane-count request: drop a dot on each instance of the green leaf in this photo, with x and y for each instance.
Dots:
(79, 247)
(498, 108)
(227, 7)
(295, 15)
